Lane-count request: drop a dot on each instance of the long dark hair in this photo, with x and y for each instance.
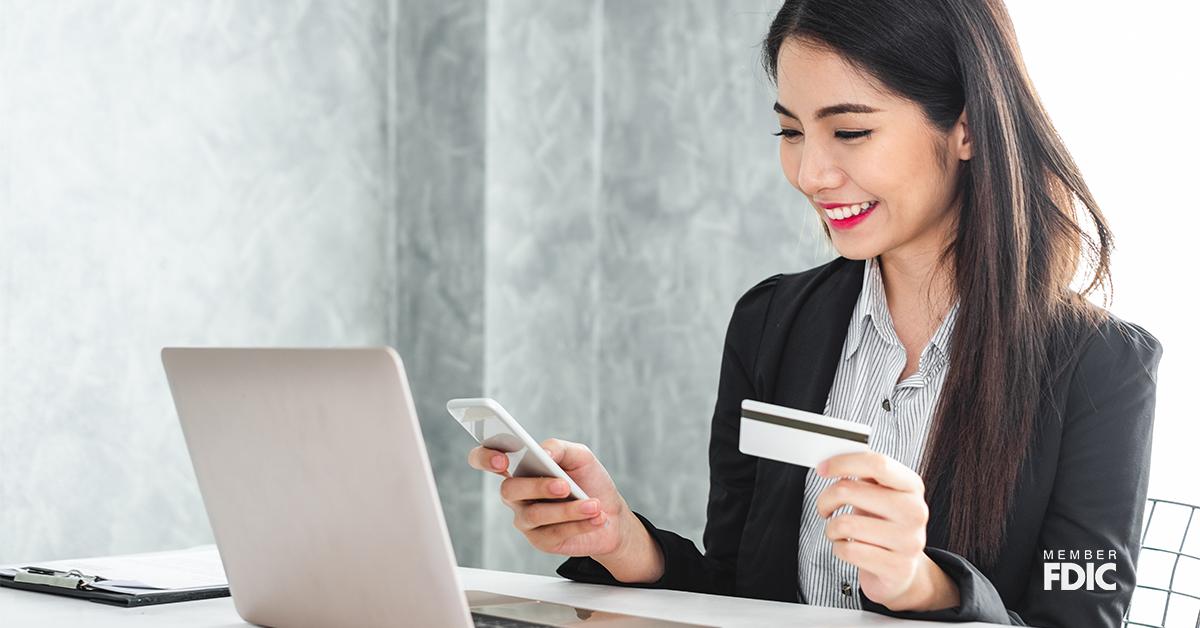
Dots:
(1018, 235)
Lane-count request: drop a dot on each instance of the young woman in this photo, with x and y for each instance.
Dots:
(1011, 419)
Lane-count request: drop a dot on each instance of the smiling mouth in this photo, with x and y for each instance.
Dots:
(850, 211)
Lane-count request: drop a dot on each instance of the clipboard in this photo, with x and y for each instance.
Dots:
(204, 580)
(75, 584)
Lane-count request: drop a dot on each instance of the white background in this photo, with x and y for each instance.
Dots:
(1120, 82)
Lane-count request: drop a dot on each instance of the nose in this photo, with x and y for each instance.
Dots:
(818, 170)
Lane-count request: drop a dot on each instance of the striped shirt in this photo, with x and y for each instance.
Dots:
(865, 390)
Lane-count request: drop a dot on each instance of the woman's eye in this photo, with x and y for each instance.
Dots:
(850, 135)
(844, 135)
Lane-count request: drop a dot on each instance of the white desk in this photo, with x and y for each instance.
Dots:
(24, 608)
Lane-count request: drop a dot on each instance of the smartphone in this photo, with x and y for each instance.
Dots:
(493, 427)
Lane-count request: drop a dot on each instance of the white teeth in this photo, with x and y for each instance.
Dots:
(846, 211)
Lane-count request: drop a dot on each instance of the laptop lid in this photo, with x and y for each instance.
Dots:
(318, 487)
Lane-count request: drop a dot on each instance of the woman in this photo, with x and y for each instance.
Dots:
(947, 323)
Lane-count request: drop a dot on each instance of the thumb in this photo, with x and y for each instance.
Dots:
(570, 456)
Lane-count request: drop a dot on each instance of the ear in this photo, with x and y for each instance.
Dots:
(961, 140)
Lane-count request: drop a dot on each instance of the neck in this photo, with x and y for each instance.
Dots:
(915, 285)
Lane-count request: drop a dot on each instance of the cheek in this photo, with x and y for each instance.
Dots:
(903, 167)
(882, 173)
(879, 170)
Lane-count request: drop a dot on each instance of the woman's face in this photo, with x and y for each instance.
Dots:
(880, 150)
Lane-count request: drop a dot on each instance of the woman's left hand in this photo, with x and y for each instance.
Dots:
(884, 535)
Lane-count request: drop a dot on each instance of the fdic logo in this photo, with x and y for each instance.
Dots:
(1071, 576)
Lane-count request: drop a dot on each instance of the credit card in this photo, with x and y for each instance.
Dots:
(797, 437)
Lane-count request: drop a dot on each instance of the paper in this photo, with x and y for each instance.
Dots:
(182, 569)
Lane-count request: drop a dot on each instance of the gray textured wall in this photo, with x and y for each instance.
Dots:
(633, 194)
(170, 173)
(438, 134)
(553, 203)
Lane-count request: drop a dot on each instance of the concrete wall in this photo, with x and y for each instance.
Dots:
(172, 173)
(552, 203)
(633, 194)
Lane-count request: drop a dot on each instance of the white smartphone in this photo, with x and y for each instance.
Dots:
(493, 427)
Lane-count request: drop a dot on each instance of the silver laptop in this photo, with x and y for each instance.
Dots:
(320, 494)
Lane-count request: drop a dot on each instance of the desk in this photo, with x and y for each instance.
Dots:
(23, 608)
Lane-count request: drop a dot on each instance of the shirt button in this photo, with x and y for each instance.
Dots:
(887, 404)
(846, 590)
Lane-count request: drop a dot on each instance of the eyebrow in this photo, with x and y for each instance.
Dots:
(831, 110)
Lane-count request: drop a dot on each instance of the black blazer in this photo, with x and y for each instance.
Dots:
(1082, 487)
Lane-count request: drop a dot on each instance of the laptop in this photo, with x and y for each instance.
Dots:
(320, 495)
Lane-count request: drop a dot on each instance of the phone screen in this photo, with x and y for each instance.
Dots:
(490, 431)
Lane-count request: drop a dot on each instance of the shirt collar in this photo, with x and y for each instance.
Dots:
(871, 309)
(867, 306)
(939, 345)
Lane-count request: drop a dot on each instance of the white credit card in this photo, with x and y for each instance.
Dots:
(797, 437)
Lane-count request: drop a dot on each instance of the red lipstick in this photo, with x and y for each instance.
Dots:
(852, 221)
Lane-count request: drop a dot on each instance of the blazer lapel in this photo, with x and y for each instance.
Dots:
(798, 358)
(805, 341)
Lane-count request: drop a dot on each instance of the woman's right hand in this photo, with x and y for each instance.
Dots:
(602, 527)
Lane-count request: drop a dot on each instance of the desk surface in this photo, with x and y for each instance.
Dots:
(23, 608)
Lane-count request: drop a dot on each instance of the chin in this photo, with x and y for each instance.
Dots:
(855, 252)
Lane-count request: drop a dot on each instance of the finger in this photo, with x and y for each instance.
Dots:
(867, 557)
(570, 456)
(862, 496)
(552, 538)
(883, 469)
(543, 514)
(878, 532)
(525, 489)
(873, 500)
(486, 459)
(858, 510)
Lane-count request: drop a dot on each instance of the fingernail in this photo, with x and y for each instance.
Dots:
(559, 487)
(590, 508)
(498, 461)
